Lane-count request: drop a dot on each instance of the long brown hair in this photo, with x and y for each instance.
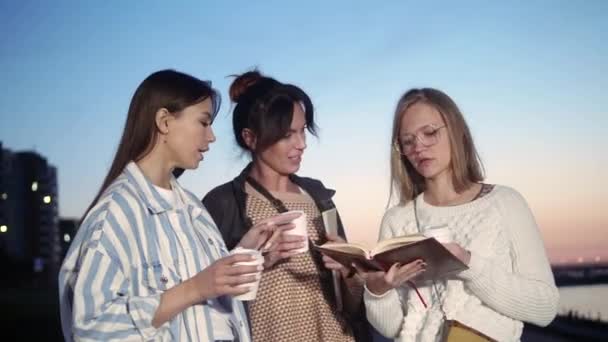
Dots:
(167, 89)
(406, 182)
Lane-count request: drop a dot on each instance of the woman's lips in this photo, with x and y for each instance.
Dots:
(422, 162)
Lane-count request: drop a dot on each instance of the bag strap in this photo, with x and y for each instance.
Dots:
(281, 208)
(435, 291)
(275, 202)
(436, 295)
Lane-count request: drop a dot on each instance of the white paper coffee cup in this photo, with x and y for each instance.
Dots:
(301, 229)
(442, 234)
(259, 260)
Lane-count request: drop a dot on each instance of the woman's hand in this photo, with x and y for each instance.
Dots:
(459, 252)
(285, 245)
(333, 265)
(223, 277)
(263, 232)
(378, 282)
(272, 237)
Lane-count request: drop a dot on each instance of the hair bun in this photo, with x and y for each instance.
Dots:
(240, 85)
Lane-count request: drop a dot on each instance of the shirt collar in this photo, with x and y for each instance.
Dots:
(149, 195)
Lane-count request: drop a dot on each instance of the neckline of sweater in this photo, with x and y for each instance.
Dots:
(457, 209)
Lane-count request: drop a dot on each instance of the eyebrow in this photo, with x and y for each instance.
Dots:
(434, 125)
(409, 134)
(296, 130)
(207, 115)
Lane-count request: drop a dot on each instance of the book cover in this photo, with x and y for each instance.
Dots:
(330, 221)
(405, 249)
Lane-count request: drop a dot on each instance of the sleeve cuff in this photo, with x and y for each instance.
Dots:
(385, 312)
(386, 296)
(142, 311)
(476, 265)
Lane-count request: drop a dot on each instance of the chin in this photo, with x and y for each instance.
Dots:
(290, 169)
(295, 168)
(432, 173)
(191, 165)
(427, 172)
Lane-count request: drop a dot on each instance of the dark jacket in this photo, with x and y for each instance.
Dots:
(227, 206)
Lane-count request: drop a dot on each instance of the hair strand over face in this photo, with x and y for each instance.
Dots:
(265, 106)
(406, 182)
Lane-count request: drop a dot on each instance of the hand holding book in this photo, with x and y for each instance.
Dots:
(378, 282)
(403, 250)
(330, 263)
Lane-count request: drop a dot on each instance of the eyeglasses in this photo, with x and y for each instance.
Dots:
(427, 136)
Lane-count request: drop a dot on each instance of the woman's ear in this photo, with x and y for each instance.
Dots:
(162, 120)
(249, 138)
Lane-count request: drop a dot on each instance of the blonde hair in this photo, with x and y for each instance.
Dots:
(406, 182)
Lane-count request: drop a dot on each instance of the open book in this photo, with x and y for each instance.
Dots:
(402, 249)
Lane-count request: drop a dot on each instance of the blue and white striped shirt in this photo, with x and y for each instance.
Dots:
(115, 271)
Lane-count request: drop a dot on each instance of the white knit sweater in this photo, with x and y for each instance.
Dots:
(509, 279)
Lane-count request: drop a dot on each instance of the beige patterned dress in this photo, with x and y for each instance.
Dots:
(290, 305)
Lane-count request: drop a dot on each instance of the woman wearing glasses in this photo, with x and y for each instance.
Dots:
(437, 177)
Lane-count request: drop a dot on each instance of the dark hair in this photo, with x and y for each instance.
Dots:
(178, 171)
(466, 164)
(167, 89)
(265, 106)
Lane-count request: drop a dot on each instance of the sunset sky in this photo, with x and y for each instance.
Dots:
(530, 77)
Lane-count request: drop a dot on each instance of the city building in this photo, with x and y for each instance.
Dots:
(29, 216)
(67, 230)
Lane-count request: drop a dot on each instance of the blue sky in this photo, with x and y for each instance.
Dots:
(528, 76)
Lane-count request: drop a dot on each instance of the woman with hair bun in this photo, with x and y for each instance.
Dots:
(297, 299)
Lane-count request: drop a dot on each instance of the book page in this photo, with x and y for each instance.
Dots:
(440, 261)
(348, 248)
(346, 254)
(396, 242)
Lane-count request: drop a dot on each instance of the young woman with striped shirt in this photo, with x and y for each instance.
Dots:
(148, 262)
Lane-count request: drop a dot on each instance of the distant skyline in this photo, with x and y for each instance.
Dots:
(529, 77)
